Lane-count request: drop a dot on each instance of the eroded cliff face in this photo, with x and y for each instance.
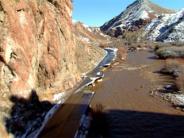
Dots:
(39, 50)
(37, 46)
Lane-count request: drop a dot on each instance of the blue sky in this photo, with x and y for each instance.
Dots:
(97, 12)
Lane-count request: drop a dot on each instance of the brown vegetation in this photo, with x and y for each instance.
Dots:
(175, 68)
(170, 52)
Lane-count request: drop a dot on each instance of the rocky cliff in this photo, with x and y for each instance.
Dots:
(37, 45)
(38, 50)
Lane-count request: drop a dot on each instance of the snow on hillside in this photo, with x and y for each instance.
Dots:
(167, 28)
(136, 15)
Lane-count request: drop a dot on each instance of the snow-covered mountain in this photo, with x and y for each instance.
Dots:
(167, 28)
(136, 15)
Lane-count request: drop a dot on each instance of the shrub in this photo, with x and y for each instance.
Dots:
(170, 52)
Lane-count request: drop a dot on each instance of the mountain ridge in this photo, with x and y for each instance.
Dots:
(134, 17)
(167, 28)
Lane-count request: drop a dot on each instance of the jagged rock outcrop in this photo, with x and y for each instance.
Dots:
(167, 28)
(137, 15)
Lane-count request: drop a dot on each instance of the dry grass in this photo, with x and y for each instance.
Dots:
(88, 51)
(133, 36)
(169, 50)
(175, 67)
(122, 54)
(88, 56)
(99, 125)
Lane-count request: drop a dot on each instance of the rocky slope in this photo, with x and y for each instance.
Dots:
(39, 50)
(136, 15)
(167, 28)
(88, 42)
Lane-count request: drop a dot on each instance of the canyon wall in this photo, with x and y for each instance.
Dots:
(37, 45)
(39, 51)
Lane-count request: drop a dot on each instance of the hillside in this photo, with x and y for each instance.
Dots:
(88, 41)
(135, 16)
(167, 28)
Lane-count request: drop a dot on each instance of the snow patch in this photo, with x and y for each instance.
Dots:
(144, 15)
(22, 18)
(178, 100)
(85, 39)
(167, 28)
(136, 11)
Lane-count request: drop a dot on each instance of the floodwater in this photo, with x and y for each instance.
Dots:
(128, 108)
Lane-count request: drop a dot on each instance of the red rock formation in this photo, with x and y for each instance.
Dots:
(37, 45)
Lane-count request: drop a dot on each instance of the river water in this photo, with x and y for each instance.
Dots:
(66, 120)
(127, 108)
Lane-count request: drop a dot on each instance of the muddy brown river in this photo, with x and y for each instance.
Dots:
(129, 111)
(122, 104)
